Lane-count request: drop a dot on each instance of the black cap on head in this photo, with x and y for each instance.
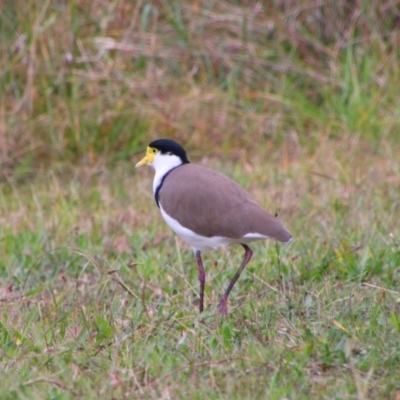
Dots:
(169, 146)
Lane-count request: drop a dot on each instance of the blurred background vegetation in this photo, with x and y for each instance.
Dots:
(94, 81)
(298, 101)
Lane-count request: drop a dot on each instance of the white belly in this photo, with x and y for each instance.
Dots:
(201, 243)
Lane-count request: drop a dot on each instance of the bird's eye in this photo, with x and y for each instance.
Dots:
(154, 151)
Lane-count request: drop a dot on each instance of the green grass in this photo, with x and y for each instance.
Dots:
(99, 299)
(297, 102)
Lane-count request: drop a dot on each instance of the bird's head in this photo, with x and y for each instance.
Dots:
(164, 154)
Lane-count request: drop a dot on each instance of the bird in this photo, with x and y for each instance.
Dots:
(207, 209)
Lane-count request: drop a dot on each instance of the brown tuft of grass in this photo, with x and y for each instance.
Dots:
(91, 80)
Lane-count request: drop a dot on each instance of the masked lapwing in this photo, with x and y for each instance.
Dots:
(207, 209)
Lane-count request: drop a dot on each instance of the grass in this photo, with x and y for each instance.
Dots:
(298, 103)
(99, 299)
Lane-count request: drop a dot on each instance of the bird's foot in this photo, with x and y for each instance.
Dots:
(223, 306)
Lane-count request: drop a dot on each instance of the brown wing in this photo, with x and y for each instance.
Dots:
(210, 204)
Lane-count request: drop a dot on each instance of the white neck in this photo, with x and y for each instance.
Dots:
(163, 163)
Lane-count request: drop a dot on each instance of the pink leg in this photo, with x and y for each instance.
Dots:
(202, 279)
(223, 303)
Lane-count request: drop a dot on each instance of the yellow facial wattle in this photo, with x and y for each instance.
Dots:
(149, 158)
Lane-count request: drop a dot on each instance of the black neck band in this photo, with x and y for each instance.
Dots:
(157, 192)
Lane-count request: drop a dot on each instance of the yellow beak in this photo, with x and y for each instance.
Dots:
(143, 161)
(146, 160)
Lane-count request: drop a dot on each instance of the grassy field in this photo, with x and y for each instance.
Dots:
(298, 102)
